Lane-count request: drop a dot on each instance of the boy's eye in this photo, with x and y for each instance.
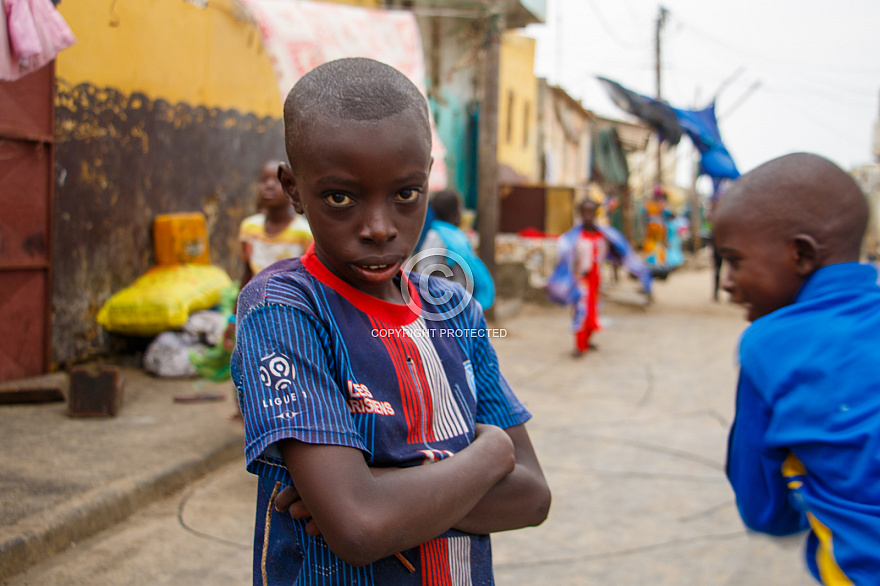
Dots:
(408, 195)
(338, 199)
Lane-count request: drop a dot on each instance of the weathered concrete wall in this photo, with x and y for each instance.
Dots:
(162, 106)
(120, 161)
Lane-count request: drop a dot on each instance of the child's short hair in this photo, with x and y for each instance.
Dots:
(803, 193)
(447, 205)
(351, 89)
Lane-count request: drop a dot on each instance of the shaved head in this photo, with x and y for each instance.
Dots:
(802, 194)
(353, 90)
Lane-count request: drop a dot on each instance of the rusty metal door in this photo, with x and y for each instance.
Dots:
(26, 166)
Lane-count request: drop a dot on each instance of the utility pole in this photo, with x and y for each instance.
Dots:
(696, 237)
(487, 160)
(694, 196)
(661, 21)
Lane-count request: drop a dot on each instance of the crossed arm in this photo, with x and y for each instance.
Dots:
(366, 514)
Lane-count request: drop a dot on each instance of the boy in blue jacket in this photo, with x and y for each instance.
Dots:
(447, 250)
(804, 448)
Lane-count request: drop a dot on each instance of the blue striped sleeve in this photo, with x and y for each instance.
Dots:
(496, 402)
(284, 374)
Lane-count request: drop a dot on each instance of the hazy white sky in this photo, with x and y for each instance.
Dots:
(817, 63)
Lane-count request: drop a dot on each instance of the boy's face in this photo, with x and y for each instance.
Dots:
(589, 209)
(363, 188)
(762, 268)
(270, 194)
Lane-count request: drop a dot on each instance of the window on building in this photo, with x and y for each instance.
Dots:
(526, 129)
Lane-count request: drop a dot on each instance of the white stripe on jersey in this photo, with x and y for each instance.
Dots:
(460, 560)
(448, 421)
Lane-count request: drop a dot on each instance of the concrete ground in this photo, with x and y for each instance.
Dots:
(631, 437)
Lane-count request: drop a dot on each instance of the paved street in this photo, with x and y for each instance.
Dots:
(631, 438)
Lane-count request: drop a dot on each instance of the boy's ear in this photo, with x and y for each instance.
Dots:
(288, 184)
(806, 253)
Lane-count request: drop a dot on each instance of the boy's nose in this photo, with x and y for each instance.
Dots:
(378, 226)
(726, 282)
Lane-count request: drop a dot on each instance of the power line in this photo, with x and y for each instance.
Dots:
(632, 13)
(600, 18)
(785, 71)
(739, 49)
(797, 85)
(742, 98)
(863, 100)
(835, 131)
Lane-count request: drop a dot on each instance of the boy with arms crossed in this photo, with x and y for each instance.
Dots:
(405, 445)
(804, 449)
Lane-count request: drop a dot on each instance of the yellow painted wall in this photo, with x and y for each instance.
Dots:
(171, 50)
(518, 106)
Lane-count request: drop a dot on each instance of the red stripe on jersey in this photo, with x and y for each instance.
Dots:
(435, 563)
(418, 373)
(415, 394)
(409, 400)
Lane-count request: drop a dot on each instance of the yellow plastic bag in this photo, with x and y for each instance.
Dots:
(163, 298)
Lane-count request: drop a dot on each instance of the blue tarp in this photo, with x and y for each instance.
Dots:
(657, 114)
(701, 126)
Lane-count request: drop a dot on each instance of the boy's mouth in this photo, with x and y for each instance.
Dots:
(376, 272)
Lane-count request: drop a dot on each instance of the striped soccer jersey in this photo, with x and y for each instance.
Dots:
(321, 362)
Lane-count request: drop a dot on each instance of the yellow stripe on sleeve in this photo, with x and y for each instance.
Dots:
(829, 571)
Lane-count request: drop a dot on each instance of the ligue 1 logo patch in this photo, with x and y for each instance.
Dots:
(276, 372)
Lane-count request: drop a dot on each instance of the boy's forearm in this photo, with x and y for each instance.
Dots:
(461, 482)
(365, 517)
(520, 499)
